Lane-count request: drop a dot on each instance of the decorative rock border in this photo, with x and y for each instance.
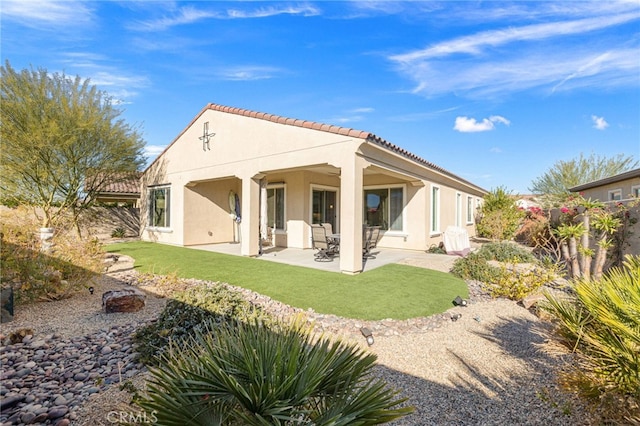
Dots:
(47, 378)
(44, 380)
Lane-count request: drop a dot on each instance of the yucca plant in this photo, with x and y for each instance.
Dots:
(253, 374)
(602, 325)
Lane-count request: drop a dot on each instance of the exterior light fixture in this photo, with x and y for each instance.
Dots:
(367, 335)
(91, 290)
(459, 301)
(456, 317)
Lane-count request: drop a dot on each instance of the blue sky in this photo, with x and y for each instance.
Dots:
(495, 92)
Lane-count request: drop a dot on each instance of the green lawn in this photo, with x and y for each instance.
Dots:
(391, 291)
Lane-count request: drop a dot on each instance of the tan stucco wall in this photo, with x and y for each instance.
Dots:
(207, 212)
(602, 192)
(245, 150)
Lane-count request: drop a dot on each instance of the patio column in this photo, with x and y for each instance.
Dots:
(351, 215)
(250, 212)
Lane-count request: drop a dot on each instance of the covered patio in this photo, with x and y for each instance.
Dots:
(305, 257)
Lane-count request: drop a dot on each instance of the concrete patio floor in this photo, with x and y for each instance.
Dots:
(305, 257)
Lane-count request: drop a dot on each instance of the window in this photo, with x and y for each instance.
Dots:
(275, 207)
(615, 195)
(435, 209)
(469, 209)
(324, 207)
(159, 203)
(635, 191)
(383, 208)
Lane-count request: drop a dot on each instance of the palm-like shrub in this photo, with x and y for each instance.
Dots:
(602, 325)
(252, 374)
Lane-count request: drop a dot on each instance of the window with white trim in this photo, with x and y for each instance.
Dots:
(275, 207)
(383, 207)
(458, 209)
(469, 209)
(159, 204)
(435, 209)
(635, 191)
(615, 195)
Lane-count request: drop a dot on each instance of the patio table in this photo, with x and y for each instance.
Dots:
(334, 241)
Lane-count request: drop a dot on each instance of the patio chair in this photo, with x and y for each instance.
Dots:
(370, 238)
(320, 243)
(334, 243)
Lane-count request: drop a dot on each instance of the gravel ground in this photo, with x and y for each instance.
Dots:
(493, 366)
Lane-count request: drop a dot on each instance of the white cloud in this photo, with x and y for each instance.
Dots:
(546, 55)
(499, 119)
(265, 12)
(42, 14)
(183, 16)
(363, 110)
(471, 125)
(249, 72)
(496, 150)
(152, 151)
(477, 43)
(121, 85)
(599, 122)
(189, 15)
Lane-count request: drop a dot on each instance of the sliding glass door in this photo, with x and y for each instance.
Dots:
(324, 209)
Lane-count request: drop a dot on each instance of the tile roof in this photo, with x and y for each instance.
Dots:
(360, 134)
(291, 121)
(129, 184)
(369, 137)
(630, 174)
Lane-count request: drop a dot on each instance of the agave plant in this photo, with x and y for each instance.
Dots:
(603, 326)
(252, 374)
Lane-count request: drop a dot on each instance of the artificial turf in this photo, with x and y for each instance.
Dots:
(390, 291)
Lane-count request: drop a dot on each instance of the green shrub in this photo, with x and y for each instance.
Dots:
(118, 233)
(507, 252)
(437, 249)
(475, 266)
(508, 280)
(253, 374)
(186, 314)
(517, 283)
(499, 216)
(602, 325)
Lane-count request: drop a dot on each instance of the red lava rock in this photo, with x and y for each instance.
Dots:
(126, 300)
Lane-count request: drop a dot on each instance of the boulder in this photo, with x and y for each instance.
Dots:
(532, 300)
(125, 300)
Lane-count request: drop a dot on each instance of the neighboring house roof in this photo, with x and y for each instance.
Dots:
(123, 185)
(360, 134)
(608, 180)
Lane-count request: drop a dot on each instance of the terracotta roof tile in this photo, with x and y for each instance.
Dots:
(360, 134)
(128, 185)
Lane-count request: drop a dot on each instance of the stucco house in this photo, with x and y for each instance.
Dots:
(620, 187)
(232, 169)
